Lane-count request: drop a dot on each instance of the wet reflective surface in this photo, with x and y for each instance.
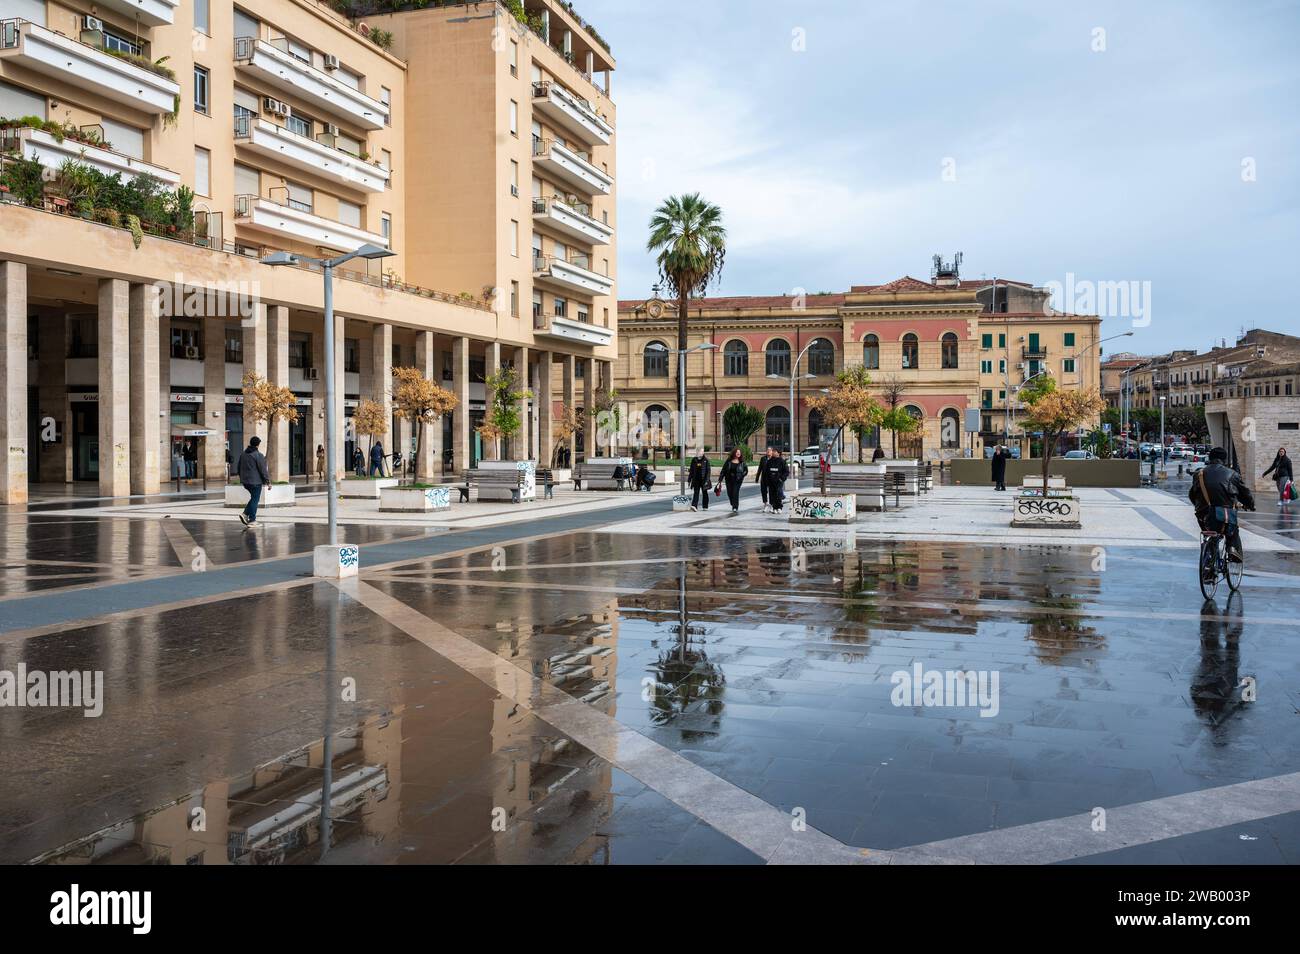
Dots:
(767, 668)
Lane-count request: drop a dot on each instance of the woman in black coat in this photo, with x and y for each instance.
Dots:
(698, 479)
(734, 471)
(1000, 456)
(1282, 475)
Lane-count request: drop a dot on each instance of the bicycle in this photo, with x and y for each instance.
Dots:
(1214, 564)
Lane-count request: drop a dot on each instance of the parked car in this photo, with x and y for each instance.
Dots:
(808, 457)
(1079, 455)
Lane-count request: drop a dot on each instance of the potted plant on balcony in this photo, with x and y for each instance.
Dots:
(502, 422)
(265, 403)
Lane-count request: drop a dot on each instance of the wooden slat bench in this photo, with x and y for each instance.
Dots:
(873, 490)
(599, 477)
(546, 480)
(511, 479)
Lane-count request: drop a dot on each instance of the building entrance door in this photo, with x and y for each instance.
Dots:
(85, 441)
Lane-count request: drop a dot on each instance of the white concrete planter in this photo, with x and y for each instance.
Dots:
(1053, 512)
(561, 475)
(274, 495)
(365, 489)
(526, 492)
(823, 508)
(681, 502)
(414, 499)
(336, 561)
(664, 475)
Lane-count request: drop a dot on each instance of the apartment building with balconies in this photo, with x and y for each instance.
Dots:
(297, 129)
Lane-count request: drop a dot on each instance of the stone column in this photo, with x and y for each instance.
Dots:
(545, 413)
(165, 398)
(114, 388)
(404, 433)
(429, 461)
(55, 458)
(214, 401)
(460, 416)
(13, 383)
(145, 396)
(255, 360)
(277, 371)
(568, 386)
(381, 380)
(519, 449)
(590, 437)
(491, 366)
(342, 466)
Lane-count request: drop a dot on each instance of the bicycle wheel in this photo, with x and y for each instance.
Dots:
(1208, 571)
(1235, 571)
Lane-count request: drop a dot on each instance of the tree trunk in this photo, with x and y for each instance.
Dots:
(419, 443)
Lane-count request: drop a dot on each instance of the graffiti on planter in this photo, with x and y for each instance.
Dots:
(438, 497)
(818, 508)
(348, 556)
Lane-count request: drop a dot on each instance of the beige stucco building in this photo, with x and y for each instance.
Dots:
(1254, 412)
(477, 148)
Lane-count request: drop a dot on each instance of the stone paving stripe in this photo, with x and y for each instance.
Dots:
(741, 816)
(183, 543)
(1163, 525)
(1120, 494)
(1064, 839)
(982, 607)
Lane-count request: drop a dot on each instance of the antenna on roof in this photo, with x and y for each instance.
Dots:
(946, 273)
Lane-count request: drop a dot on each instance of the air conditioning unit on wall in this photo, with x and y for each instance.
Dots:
(311, 374)
(275, 107)
(331, 61)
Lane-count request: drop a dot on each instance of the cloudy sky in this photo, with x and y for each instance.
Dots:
(1117, 142)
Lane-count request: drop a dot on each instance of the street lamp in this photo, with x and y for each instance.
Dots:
(794, 376)
(327, 266)
(681, 405)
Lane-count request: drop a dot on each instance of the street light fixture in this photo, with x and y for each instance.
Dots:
(327, 266)
(681, 405)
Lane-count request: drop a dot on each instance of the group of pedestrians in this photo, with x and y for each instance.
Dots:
(772, 472)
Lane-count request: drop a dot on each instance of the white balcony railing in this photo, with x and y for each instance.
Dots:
(576, 116)
(279, 69)
(572, 219)
(266, 215)
(86, 67)
(45, 148)
(573, 274)
(265, 138)
(570, 169)
(569, 329)
(149, 12)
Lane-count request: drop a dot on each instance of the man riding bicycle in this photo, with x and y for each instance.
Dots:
(1215, 492)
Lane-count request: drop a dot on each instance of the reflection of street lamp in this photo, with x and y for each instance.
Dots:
(327, 266)
(681, 404)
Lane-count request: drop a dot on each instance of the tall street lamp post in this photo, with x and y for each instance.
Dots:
(793, 376)
(681, 406)
(327, 266)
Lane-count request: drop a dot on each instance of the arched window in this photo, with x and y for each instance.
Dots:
(778, 427)
(655, 360)
(814, 427)
(656, 426)
(821, 357)
(871, 352)
(911, 352)
(950, 429)
(915, 411)
(735, 360)
(778, 357)
(949, 347)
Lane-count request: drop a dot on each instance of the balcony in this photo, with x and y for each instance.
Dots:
(574, 275)
(86, 67)
(572, 219)
(569, 329)
(265, 138)
(575, 116)
(44, 147)
(1038, 353)
(279, 69)
(149, 12)
(265, 215)
(567, 167)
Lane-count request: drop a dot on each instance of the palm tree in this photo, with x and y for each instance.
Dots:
(689, 242)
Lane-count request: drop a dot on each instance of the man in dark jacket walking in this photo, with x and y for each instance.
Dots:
(1220, 487)
(251, 468)
(699, 479)
(377, 459)
(1000, 455)
(772, 474)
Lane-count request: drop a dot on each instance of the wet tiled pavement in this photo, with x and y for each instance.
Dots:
(1115, 687)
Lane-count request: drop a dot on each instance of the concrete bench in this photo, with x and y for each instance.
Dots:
(547, 481)
(510, 479)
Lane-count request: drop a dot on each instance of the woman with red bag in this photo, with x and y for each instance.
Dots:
(734, 471)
